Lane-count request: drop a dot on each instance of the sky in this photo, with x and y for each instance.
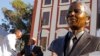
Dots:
(7, 4)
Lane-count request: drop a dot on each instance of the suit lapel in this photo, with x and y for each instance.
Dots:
(81, 45)
(67, 42)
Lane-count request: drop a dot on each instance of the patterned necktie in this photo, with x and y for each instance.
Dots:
(74, 40)
(72, 43)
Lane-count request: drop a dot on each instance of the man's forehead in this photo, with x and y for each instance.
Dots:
(76, 2)
(77, 5)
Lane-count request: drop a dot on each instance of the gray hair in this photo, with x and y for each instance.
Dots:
(87, 8)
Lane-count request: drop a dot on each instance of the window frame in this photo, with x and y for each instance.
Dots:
(46, 10)
(82, 0)
(64, 3)
(48, 5)
(44, 15)
(60, 9)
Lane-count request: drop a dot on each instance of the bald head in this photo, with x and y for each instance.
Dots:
(18, 33)
(85, 7)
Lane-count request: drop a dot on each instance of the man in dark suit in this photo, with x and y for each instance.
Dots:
(31, 49)
(77, 42)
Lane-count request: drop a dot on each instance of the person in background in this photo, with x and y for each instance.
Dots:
(3, 35)
(31, 49)
(19, 43)
(9, 43)
(77, 42)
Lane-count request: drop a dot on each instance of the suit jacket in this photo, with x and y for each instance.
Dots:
(85, 45)
(36, 50)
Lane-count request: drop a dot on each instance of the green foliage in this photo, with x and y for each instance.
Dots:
(19, 6)
(22, 12)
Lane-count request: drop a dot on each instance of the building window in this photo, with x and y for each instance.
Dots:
(43, 43)
(46, 18)
(64, 1)
(47, 2)
(63, 14)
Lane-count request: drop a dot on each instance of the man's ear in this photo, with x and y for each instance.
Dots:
(87, 20)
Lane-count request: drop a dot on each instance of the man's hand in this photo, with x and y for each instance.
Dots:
(33, 54)
(54, 54)
(19, 54)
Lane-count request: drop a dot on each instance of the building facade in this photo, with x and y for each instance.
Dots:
(49, 21)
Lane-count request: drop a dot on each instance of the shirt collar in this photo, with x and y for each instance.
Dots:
(78, 35)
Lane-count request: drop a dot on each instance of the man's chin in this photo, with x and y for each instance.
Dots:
(74, 27)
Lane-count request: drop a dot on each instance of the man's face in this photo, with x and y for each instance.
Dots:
(76, 16)
(18, 34)
(31, 42)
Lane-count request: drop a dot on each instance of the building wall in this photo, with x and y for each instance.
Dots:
(93, 17)
(47, 28)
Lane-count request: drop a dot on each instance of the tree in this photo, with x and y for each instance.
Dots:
(22, 12)
(19, 6)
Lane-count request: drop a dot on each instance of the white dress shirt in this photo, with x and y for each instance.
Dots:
(77, 36)
(9, 45)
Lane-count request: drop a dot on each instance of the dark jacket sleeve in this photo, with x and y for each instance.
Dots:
(37, 50)
(22, 51)
(57, 45)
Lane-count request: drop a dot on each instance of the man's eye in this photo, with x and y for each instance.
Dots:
(77, 11)
(70, 11)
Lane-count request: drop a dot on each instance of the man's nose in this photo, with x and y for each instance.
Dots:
(72, 13)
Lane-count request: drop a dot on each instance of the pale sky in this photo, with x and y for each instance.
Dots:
(6, 3)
